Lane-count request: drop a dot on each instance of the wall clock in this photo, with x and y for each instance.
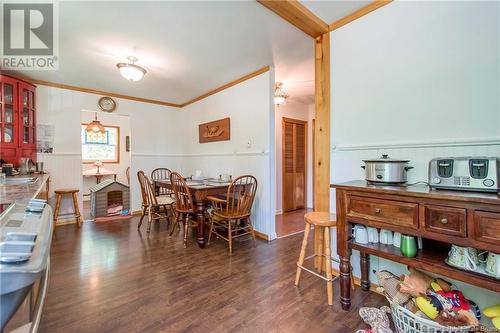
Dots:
(107, 104)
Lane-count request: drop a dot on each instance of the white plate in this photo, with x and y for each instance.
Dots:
(14, 258)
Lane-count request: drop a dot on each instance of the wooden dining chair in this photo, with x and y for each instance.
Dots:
(184, 205)
(156, 207)
(231, 216)
(161, 174)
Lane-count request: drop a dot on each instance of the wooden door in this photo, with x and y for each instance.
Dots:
(294, 168)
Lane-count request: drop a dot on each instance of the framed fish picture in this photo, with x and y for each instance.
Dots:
(217, 130)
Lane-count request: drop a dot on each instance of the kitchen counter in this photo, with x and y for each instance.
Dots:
(18, 278)
(419, 190)
(19, 189)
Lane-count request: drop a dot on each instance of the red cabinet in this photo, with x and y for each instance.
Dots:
(17, 120)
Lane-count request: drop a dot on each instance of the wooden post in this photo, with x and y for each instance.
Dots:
(322, 127)
(321, 158)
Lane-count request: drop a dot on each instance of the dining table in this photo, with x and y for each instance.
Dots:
(199, 190)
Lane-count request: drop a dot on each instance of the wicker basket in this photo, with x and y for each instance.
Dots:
(407, 322)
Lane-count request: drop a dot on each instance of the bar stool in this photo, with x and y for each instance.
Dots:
(59, 194)
(322, 222)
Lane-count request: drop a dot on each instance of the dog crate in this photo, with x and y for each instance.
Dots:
(109, 198)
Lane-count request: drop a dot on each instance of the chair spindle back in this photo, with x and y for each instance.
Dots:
(241, 195)
(162, 174)
(183, 199)
(147, 190)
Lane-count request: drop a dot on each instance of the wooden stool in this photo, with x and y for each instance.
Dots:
(59, 194)
(322, 222)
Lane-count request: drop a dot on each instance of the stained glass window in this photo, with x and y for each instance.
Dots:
(100, 146)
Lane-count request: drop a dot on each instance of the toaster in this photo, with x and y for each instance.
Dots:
(473, 173)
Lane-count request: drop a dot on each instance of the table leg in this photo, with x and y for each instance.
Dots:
(47, 188)
(345, 282)
(200, 217)
(364, 260)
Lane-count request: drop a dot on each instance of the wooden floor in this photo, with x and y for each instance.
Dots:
(108, 277)
(290, 223)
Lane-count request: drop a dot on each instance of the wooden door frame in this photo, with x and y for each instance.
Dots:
(299, 122)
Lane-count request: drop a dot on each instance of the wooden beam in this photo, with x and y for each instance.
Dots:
(227, 85)
(298, 15)
(359, 13)
(102, 93)
(321, 167)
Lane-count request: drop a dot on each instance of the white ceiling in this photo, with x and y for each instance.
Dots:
(188, 48)
(331, 11)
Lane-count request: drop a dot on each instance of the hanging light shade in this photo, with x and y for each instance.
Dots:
(279, 94)
(131, 71)
(95, 126)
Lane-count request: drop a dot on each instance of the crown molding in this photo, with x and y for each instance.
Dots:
(147, 100)
(227, 85)
(102, 93)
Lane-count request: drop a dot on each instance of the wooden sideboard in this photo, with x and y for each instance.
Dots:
(440, 217)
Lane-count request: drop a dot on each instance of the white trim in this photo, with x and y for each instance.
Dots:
(64, 153)
(279, 211)
(492, 141)
(244, 153)
(236, 153)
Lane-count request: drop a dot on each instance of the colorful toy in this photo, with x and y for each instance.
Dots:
(496, 322)
(429, 305)
(493, 312)
(416, 283)
(446, 318)
(377, 319)
(389, 286)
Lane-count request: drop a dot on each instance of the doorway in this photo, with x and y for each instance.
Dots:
(294, 165)
(106, 160)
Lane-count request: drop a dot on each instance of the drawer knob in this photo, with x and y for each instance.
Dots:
(377, 210)
(444, 221)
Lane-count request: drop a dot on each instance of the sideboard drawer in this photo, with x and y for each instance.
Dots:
(487, 227)
(445, 220)
(399, 213)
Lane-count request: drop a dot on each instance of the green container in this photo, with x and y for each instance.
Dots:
(408, 246)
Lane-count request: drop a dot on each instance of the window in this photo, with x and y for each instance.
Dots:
(101, 147)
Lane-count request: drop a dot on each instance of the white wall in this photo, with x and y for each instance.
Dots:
(164, 136)
(110, 119)
(250, 108)
(295, 110)
(416, 80)
(152, 128)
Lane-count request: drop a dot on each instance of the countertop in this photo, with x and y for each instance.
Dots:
(420, 190)
(12, 192)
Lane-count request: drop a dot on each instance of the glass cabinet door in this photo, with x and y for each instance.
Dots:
(7, 112)
(27, 115)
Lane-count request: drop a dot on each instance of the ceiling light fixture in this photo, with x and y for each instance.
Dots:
(279, 94)
(95, 126)
(131, 71)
